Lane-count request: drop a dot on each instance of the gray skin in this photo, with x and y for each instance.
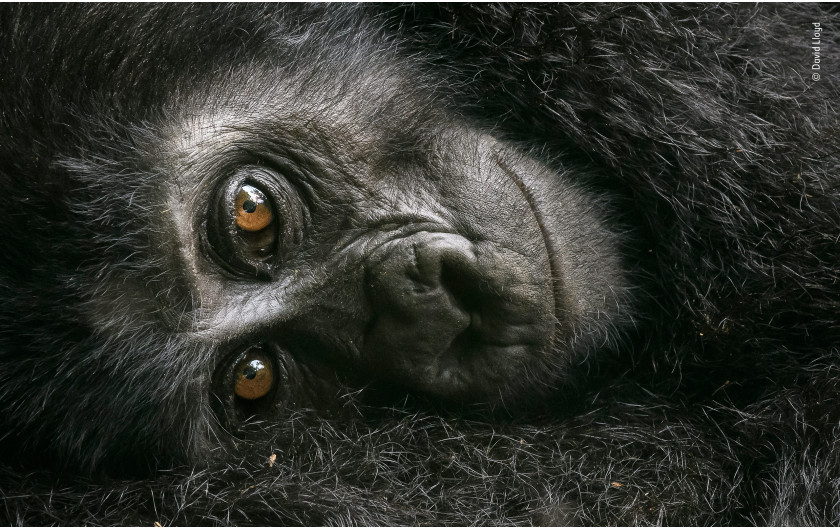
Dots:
(413, 248)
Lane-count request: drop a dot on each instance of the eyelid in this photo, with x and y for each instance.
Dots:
(300, 172)
(254, 243)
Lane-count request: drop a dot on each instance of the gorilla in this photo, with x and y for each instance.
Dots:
(419, 264)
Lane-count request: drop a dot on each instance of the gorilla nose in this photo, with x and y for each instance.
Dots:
(418, 305)
(443, 313)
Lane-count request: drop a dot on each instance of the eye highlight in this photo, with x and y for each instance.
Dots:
(253, 209)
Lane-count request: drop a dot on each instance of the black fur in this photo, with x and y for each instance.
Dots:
(701, 124)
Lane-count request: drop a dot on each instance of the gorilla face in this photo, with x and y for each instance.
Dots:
(380, 240)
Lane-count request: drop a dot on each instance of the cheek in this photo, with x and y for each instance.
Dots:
(586, 250)
(482, 197)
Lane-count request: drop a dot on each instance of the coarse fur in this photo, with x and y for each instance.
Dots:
(698, 128)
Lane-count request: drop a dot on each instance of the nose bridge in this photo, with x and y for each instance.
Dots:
(330, 298)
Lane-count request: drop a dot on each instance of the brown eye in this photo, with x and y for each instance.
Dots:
(255, 218)
(254, 376)
(253, 210)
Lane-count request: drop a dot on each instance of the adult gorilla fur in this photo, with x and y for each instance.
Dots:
(701, 124)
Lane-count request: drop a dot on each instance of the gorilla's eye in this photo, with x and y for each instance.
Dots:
(253, 211)
(255, 218)
(251, 382)
(254, 376)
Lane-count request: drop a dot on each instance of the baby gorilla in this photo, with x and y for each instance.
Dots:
(267, 225)
(329, 231)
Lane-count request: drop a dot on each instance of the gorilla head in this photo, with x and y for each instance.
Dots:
(418, 264)
(308, 217)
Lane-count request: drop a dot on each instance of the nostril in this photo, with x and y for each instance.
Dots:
(414, 287)
(418, 281)
(461, 286)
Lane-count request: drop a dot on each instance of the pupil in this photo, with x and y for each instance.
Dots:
(249, 206)
(251, 370)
